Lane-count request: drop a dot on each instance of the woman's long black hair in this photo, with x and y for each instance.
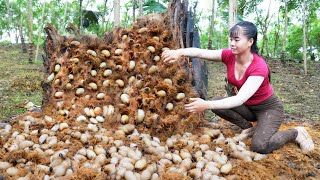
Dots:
(250, 31)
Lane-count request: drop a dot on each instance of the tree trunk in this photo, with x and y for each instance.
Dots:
(80, 16)
(232, 14)
(283, 50)
(23, 44)
(304, 38)
(39, 33)
(116, 6)
(211, 25)
(64, 23)
(140, 8)
(9, 16)
(30, 29)
(134, 10)
(103, 16)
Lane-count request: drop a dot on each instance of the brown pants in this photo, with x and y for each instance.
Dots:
(269, 115)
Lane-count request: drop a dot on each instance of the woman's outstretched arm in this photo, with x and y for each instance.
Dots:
(174, 55)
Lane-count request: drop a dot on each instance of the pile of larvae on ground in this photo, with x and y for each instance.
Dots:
(114, 110)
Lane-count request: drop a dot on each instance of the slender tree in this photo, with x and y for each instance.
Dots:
(232, 14)
(304, 37)
(103, 16)
(116, 6)
(39, 29)
(285, 29)
(211, 25)
(30, 30)
(134, 10)
(140, 8)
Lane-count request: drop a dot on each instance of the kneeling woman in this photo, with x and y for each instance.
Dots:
(254, 100)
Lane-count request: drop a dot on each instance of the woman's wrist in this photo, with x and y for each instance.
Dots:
(210, 105)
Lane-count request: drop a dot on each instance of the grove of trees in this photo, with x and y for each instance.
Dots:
(288, 29)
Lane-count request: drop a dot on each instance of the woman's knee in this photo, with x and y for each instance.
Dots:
(260, 148)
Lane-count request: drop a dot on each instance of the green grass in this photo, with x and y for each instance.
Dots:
(20, 81)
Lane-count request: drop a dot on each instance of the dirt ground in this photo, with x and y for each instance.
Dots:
(20, 82)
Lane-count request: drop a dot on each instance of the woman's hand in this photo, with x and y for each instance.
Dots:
(171, 55)
(197, 105)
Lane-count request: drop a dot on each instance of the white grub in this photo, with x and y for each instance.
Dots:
(55, 128)
(91, 154)
(119, 67)
(68, 86)
(100, 95)
(79, 91)
(186, 164)
(129, 175)
(100, 119)
(195, 173)
(139, 84)
(12, 171)
(98, 149)
(127, 129)
(93, 73)
(70, 76)
(220, 140)
(161, 93)
(156, 58)
(91, 52)
(124, 37)
(169, 106)
(125, 98)
(120, 82)
(56, 82)
(204, 147)
(156, 38)
(118, 143)
(153, 69)
(132, 65)
(103, 65)
(184, 154)
(59, 170)
(142, 30)
(140, 116)
(110, 168)
(58, 94)
(43, 168)
(8, 128)
(63, 126)
(118, 51)
(165, 48)
(106, 53)
(258, 157)
(93, 120)
(75, 43)
(225, 169)
(132, 79)
(4, 165)
(107, 72)
(151, 49)
(167, 80)
(43, 138)
(57, 67)
(50, 77)
(81, 118)
(176, 159)
(212, 132)
(93, 86)
(92, 127)
(124, 119)
(106, 83)
(180, 96)
(140, 164)
(87, 97)
(74, 60)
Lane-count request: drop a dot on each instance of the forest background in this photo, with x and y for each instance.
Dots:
(289, 33)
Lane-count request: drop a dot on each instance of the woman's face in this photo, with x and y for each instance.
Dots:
(240, 43)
